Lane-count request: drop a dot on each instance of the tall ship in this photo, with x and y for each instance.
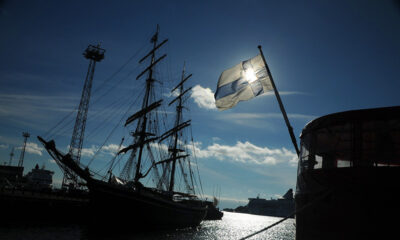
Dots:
(348, 176)
(146, 187)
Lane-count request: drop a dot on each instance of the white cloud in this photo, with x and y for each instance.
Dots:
(18, 105)
(247, 153)
(89, 152)
(4, 146)
(215, 139)
(172, 94)
(111, 148)
(160, 146)
(203, 97)
(33, 148)
(34, 110)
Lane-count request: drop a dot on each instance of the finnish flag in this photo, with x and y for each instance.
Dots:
(242, 82)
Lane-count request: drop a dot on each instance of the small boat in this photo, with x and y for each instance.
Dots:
(213, 212)
(348, 176)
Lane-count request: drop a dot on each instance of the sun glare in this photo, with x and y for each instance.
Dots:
(250, 75)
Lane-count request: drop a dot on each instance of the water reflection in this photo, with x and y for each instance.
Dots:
(232, 226)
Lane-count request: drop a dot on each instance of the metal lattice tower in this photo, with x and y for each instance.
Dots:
(11, 156)
(21, 157)
(94, 54)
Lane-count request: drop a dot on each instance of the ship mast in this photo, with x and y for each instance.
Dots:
(179, 125)
(149, 85)
(142, 136)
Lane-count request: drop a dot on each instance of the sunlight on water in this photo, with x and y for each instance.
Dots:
(237, 225)
(232, 226)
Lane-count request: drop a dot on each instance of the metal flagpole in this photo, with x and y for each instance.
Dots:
(280, 104)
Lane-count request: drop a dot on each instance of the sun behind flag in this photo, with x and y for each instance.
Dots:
(244, 81)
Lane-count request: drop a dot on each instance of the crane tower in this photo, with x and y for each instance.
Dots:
(21, 157)
(94, 54)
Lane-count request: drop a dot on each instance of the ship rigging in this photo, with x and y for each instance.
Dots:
(161, 201)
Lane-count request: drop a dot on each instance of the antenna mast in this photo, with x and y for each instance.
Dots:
(21, 158)
(94, 54)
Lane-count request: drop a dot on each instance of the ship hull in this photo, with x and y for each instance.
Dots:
(134, 206)
(147, 208)
(347, 203)
(36, 207)
(273, 208)
(213, 213)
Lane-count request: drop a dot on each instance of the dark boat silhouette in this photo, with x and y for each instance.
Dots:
(213, 212)
(117, 200)
(30, 199)
(348, 176)
(280, 207)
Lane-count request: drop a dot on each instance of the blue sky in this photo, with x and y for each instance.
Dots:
(325, 56)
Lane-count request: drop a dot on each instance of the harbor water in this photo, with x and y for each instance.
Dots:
(232, 226)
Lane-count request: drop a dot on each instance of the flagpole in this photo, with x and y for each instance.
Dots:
(280, 104)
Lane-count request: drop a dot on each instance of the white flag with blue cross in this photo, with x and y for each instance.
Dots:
(244, 81)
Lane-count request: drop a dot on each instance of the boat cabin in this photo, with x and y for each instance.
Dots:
(361, 138)
(348, 173)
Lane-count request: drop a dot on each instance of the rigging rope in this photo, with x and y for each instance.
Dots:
(191, 173)
(107, 115)
(62, 120)
(197, 165)
(120, 69)
(50, 133)
(114, 85)
(328, 192)
(106, 119)
(66, 128)
(118, 124)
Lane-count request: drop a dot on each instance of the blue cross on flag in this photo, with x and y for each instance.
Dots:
(244, 81)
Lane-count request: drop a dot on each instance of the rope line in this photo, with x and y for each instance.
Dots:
(51, 134)
(116, 126)
(62, 120)
(119, 69)
(290, 215)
